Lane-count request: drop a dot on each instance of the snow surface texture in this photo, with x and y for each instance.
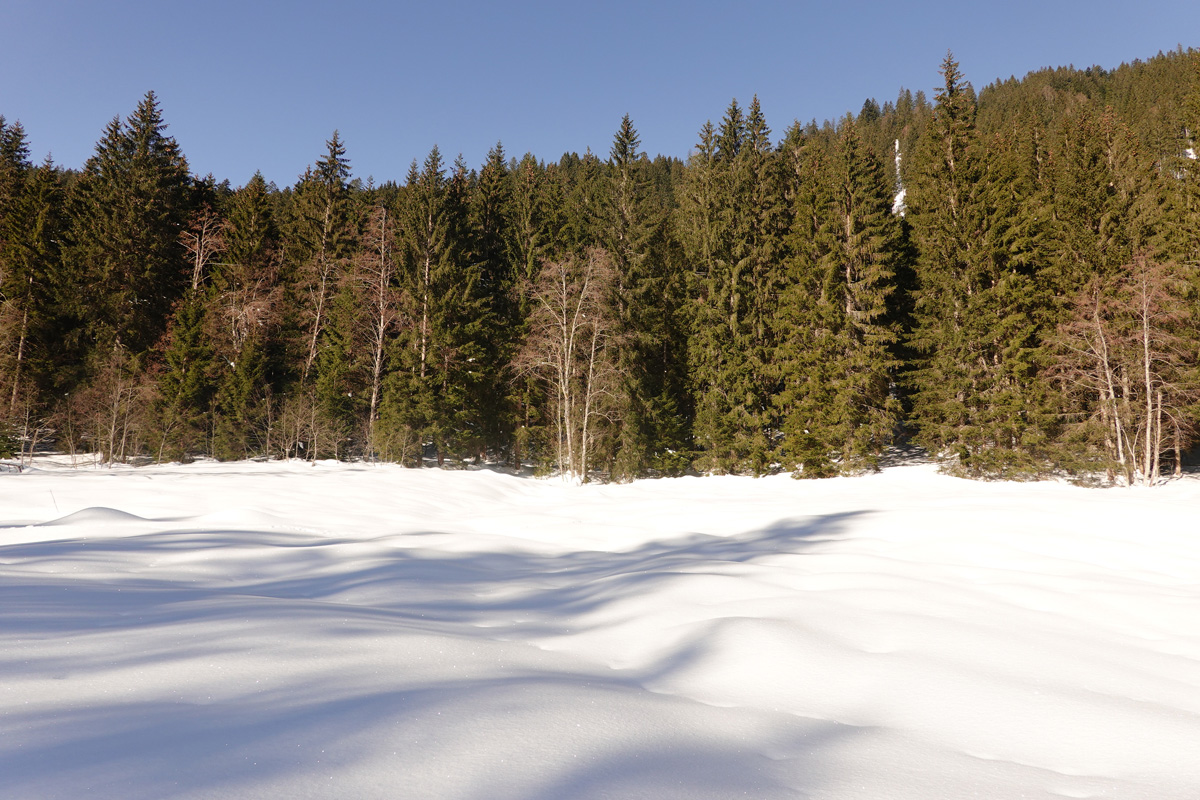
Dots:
(283, 630)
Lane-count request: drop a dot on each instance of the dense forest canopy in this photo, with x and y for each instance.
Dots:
(1007, 278)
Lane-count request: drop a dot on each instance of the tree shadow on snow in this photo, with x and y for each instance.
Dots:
(350, 595)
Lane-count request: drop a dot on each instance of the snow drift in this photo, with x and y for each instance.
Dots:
(284, 630)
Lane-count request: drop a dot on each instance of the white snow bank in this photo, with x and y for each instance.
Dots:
(283, 630)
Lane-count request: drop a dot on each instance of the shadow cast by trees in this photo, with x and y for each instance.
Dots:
(465, 708)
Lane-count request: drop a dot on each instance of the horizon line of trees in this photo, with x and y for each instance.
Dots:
(1008, 280)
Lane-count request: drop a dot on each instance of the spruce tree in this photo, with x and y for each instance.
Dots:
(490, 220)
(435, 390)
(243, 308)
(132, 203)
(30, 232)
(644, 311)
(338, 386)
(528, 229)
(836, 360)
(983, 298)
(186, 386)
(1182, 239)
(946, 220)
(535, 224)
(19, 278)
(706, 224)
(732, 342)
(319, 236)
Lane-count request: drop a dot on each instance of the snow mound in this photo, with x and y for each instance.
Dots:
(95, 515)
(278, 630)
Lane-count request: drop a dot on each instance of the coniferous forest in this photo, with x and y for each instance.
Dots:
(1009, 279)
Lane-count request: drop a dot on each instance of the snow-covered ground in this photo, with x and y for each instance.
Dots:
(348, 631)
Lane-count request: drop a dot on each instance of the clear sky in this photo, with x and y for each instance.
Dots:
(251, 84)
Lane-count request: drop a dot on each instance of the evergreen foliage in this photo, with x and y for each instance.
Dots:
(130, 206)
(835, 317)
(1008, 279)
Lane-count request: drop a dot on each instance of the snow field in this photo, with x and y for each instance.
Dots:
(280, 629)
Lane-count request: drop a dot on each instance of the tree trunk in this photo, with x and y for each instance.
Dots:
(1157, 437)
(1178, 450)
(1149, 455)
(20, 357)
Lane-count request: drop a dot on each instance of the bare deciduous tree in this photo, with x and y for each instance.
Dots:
(570, 348)
(203, 238)
(112, 417)
(374, 282)
(1129, 352)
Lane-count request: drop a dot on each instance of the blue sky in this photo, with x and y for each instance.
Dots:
(261, 85)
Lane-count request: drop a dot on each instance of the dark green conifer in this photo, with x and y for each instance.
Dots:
(319, 236)
(186, 386)
(733, 333)
(243, 309)
(982, 296)
(132, 204)
(435, 391)
(836, 359)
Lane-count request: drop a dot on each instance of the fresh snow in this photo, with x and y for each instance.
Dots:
(333, 631)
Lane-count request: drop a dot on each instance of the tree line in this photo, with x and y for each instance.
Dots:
(1007, 279)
